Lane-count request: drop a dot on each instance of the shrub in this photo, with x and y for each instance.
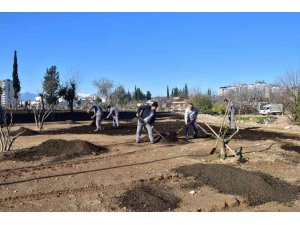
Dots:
(219, 109)
(203, 103)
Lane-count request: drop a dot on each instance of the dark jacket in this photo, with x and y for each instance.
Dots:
(147, 114)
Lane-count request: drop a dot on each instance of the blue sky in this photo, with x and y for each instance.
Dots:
(150, 50)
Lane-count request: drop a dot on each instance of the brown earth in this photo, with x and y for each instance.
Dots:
(149, 198)
(257, 187)
(61, 169)
(59, 149)
(25, 132)
(291, 147)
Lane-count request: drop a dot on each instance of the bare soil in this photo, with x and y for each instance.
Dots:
(149, 198)
(257, 187)
(25, 132)
(59, 149)
(69, 167)
(291, 147)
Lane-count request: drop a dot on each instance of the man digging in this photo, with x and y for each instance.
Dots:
(190, 119)
(146, 118)
(97, 113)
(115, 115)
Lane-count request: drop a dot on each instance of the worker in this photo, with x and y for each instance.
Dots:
(190, 119)
(146, 117)
(231, 109)
(98, 114)
(115, 115)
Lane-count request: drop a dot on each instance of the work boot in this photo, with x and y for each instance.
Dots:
(138, 141)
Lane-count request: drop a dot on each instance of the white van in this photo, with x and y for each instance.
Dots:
(275, 109)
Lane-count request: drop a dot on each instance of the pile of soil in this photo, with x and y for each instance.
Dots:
(88, 129)
(71, 122)
(26, 132)
(291, 147)
(57, 149)
(149, 198)
(258, 188)
(169, 139)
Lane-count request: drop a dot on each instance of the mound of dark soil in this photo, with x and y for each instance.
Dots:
(290, 147)
(88, 129)
(257, 187)
(167, 139)
(71, 122)
(59, 149)
(26, 132)
(149, 198)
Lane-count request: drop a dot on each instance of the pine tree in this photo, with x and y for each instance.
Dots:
(176, 92)
(209, 92)
(128, 95)
(135, 93)
(168, 94)
(148, 95)
(186, 91)
(16, 81)
(51, 85)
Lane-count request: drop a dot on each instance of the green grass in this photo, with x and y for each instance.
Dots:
(256, 118)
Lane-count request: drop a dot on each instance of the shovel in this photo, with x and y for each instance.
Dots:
(159, 134)
(183, 127)
(173, 135)
(142, 121)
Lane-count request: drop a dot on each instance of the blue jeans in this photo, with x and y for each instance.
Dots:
(195, 127)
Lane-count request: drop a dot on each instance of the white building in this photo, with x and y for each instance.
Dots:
(265, 89)
(226, 89)
(7, 97)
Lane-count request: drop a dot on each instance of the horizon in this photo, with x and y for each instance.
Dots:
(150, 50)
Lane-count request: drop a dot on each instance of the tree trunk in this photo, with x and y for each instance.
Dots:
(223, 150)
(71, 106)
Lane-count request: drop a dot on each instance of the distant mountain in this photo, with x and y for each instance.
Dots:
(28, 96)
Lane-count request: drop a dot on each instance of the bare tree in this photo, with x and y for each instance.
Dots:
(290, 91)
(6, 138)
(104, 87)
(40, 115)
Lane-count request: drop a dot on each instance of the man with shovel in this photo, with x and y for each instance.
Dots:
(115, 115)
(146, 117)
(190, 118)
(97, 113)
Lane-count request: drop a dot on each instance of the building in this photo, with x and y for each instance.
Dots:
(7, 97)
(222, 91)
(266, 90)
